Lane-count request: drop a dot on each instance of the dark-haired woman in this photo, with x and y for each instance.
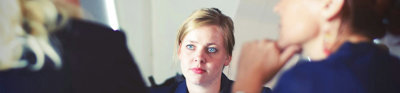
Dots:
(336, 38)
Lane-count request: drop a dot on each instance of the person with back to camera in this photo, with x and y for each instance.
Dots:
(46, 47)
(336, 36)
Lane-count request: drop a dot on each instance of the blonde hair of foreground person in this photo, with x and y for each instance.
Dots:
(27, 24)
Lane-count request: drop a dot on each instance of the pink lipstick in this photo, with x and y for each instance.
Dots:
(198, 70)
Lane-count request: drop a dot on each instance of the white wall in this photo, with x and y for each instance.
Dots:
(95, 11)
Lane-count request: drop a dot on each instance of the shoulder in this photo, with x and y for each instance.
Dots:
(307, 70)
(79, 31)
(317, 78)
(98, 39)
(169, 86)
(226, 85)
(290, 81)
(98, 58)
(88, 26)
(353, 71)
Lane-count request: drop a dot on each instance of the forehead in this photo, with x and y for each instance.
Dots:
(205, 34)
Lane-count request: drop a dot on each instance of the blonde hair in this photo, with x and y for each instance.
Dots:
(39, 18)
(209, 16)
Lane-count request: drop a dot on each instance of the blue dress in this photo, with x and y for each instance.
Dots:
(354, 68)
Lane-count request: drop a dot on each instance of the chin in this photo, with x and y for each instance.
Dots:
(194, 80)
(282, 44)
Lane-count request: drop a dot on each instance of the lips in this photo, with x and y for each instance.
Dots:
(198, 70)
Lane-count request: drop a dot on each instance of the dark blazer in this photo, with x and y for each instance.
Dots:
(95, 59)
(178, 85)
(354, 68)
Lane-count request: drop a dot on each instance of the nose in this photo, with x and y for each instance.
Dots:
(200, 57)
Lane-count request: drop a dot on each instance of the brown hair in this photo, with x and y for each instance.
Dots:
(209, 16)
(393, 19)
(366, 16)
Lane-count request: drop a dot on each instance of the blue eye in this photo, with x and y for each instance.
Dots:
(191, 47)
(212, 50)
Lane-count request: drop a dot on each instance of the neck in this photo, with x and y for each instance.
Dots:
(314, 49)
(212, 87)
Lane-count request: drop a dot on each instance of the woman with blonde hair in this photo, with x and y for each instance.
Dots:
(204, 43)
(46, 47)
(336, 39)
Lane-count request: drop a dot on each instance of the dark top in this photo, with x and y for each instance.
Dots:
(95, 59)
(354, 68)
(178, 85)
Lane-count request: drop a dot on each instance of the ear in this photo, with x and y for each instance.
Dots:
(332, 8)
(179, 51)
(228, 60)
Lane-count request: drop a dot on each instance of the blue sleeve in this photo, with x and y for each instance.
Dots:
(294, 81)
(266, 90)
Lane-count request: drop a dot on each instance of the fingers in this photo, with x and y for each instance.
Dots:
(270, 47)
(261, 60)
(288, 53)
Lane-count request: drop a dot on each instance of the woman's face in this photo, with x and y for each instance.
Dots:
(299, 21)
(202, 55)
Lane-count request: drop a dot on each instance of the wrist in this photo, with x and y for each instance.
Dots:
(249, 83)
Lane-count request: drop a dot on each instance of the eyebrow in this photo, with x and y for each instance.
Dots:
(208, 44)
(193, 42)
